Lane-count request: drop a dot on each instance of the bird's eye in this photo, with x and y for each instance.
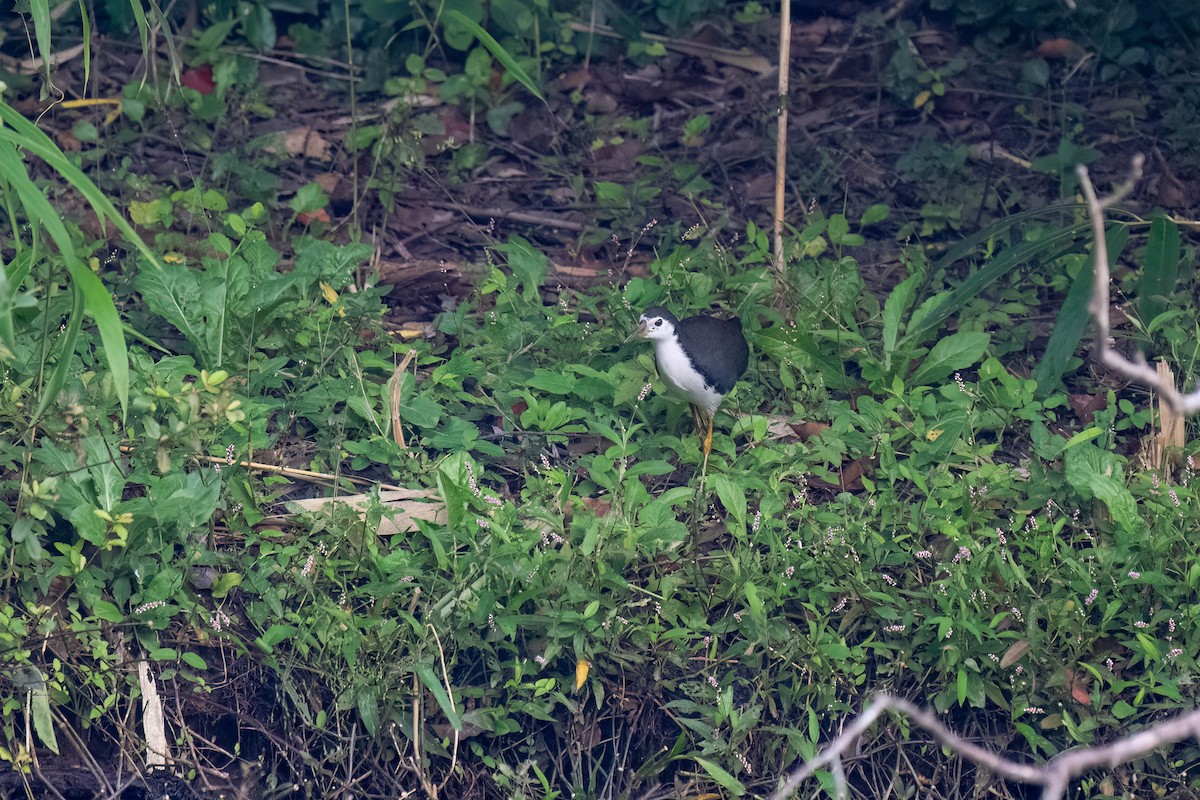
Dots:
(658, 323)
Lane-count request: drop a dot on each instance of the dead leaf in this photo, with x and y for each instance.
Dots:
(68, 142)
(401, 508)
(1014, 653)
(414, 330)
(1085, 406)
(307, 143)
(309, 217)
(1077, 686)
(200, 79)
(1061, 47)
(328, 181)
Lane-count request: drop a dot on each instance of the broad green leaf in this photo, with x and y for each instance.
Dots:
(163, 586)
(528, 264)
(276, 634)
(1122, 710)
(957, 351)
(368, 708)
(734, 499)
(876, 213)
(554, 381)
(893, 311)
(420, 410)
(173, 293)
(43, 719)
(107, 481)
(838, 228)
(107, 611)
(941, 437)
(194, 661)
(718, 774)
(1096, 473)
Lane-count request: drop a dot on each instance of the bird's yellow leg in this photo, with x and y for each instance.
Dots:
(707, 445)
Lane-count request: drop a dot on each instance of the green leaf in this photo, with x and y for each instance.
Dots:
(43, 720)
(1122, 710)
(1072, 320)
(528, 264)
(718, 774)
(194, 661)
(309, 198)
(734, 499)
(431, 682)
(510, 64)
(107, 611)
(955, 352)
(838, 229)
(893, 311)
(422, 411)
(876, 213)
(274, 635)
(368, 708)
(1096, 473)
(554, 381)
(108, 483)
(1084, 436)
(754, 600)
(163, 586)
(1161, 270)
(175, 294)
(1043, 250)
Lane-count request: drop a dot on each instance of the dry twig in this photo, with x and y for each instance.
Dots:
(1137, 370)
(1053, 776)
(781, 139)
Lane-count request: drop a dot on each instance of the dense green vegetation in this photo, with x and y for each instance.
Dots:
(568, 604)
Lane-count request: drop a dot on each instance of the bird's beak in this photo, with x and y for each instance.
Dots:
(640, 332)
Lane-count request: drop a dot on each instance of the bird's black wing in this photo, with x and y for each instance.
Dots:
(717, 348)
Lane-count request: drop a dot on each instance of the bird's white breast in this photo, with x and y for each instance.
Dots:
(676, 369)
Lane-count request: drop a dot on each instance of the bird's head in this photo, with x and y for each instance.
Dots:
(655, 324)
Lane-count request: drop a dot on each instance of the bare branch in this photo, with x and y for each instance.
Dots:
(1137, 370)
(781, 137)
(1053, 776)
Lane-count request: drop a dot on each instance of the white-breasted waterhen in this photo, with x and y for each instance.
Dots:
(699, 358)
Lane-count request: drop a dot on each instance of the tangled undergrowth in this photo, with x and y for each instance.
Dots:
(570, 604)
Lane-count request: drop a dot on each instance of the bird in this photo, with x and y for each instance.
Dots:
(699, 358)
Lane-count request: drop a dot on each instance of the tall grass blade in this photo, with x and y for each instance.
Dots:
(497, 50)
(1072, 321)
(1045, 250)
(1160, 272)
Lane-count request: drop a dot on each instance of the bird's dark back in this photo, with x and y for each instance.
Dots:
(723, 365)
